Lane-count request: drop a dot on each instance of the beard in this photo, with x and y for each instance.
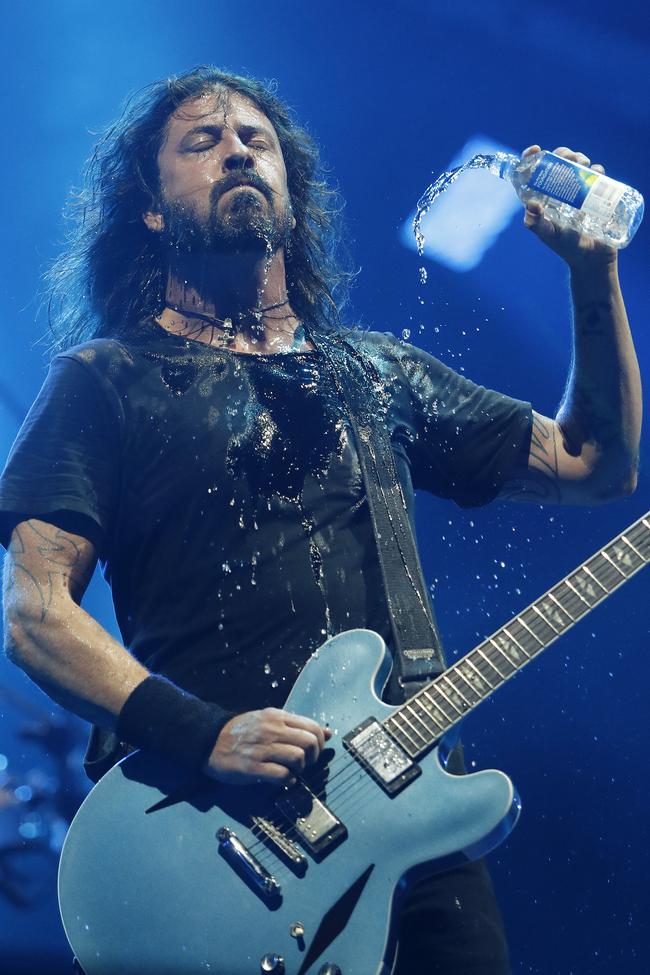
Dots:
(247, 224)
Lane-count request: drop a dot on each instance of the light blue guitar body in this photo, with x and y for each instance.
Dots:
(157, 892)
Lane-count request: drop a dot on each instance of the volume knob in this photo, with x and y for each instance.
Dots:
(272, 963)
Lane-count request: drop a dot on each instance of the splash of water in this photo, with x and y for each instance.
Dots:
(490, 161)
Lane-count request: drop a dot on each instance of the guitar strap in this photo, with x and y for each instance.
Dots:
(417, 649)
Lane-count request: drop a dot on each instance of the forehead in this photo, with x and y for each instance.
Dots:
(219, 107)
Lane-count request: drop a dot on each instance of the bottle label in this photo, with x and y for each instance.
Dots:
(578, 186)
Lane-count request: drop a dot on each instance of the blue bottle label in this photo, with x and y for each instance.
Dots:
(562, 180)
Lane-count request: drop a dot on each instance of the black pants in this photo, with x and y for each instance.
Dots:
(451, 925)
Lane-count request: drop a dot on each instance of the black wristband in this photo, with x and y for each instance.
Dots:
(163, 718)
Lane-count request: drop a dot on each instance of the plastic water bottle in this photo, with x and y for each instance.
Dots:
(573, 195)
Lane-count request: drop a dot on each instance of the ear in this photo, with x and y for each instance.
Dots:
(154, 221)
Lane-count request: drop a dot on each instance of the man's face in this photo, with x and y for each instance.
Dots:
(223, 179)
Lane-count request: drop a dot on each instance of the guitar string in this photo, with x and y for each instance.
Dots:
(354, 767)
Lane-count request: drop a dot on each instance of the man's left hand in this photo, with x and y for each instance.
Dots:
(579, 250)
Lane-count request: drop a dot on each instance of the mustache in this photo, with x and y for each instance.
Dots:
(241, 179)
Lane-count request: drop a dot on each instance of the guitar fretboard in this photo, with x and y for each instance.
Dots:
(419, 723)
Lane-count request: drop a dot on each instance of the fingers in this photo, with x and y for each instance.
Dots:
(566, 153)
(533, 214)
(308, 724)
(270, 745)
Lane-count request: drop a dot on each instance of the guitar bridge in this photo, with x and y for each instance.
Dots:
(282, 843)
(380, 755)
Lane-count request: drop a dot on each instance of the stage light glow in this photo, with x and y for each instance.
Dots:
(465, 221)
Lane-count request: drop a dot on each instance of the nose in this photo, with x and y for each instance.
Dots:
(237, 155)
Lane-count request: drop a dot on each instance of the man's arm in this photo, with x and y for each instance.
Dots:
(79, 665)
(589, 453)
(47, 633)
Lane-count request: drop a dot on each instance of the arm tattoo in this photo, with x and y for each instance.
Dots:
(54, 547)
(539, 480)
(43, 590)
(589, 317)
(57, 547)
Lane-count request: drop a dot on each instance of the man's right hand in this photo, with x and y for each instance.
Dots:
(270, 745)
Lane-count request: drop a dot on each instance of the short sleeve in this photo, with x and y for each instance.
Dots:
(64, 464)
(467, 440)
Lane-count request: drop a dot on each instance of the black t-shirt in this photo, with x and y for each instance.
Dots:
(224, 496)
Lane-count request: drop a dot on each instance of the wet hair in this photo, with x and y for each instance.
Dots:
(112, 272)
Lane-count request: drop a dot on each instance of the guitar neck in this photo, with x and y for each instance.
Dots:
(419, 723)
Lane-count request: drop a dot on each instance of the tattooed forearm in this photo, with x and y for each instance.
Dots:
(40, 591)
(591, 317)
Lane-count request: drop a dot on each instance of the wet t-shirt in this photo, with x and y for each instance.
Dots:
(223, 492)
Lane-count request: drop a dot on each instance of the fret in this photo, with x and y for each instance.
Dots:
(509, 648)
(470, 681)
(635, 550)
(432, 704)
(522, 635)
(448, 699)
(535, 609)
(523, 622)
(509, 630)
(590, 591)
(604, 568)
(412, 711)
(440, 705)
(560, 606)
(625, 556)
(493, 666)
(568, 583)
(401, 731)
(499, 641)
(404, 715)
(479, 681)
(613, 564)
(641, 538)
(424, 717)
(597, 581)
(443, 704)
(571, 603)
(397, 733)
(465, 702)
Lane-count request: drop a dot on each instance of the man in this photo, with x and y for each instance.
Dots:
(198, 446)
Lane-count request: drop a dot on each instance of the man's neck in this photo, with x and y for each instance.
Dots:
(238, 300)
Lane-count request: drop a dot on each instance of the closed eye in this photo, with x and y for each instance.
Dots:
(201, 146)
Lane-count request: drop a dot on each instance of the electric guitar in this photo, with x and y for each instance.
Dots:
(162, 874)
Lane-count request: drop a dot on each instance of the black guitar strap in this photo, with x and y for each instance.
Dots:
(416, 643)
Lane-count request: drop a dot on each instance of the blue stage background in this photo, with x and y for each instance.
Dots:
(392, 92)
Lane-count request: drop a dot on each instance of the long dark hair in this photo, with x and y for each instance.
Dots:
(112, 273)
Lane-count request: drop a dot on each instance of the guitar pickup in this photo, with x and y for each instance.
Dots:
(317, 828)
(380, 755)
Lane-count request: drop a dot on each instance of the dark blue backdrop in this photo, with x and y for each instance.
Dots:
(392, 92)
